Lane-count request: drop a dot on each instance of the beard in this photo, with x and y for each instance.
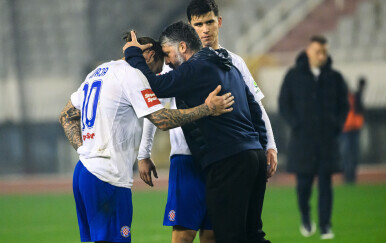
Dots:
(179, 60)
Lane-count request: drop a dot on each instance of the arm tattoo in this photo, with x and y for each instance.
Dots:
(70, 120)
(166, 119)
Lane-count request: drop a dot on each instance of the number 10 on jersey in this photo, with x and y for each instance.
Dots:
(90, 103)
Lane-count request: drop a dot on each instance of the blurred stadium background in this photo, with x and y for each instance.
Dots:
(48, 46)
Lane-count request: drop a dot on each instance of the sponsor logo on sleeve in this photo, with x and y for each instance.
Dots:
(257, 87)
(150, 98)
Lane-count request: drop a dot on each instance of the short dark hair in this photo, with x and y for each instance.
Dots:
(146, 40)
(180, 31)
(319, 39)
(201, 7)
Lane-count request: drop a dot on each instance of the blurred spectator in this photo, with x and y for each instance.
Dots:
(313, 101)
(351, 131)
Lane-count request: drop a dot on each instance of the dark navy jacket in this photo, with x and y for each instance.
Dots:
(216, 137)
(315, 109)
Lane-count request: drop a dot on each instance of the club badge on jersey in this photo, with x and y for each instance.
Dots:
(125, 231)
(172, 215)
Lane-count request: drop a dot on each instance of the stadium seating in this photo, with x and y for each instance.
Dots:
(356, 33)
(361, 36)
(48, 46)
(262, 23)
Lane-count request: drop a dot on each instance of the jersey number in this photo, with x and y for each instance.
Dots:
(90, 103)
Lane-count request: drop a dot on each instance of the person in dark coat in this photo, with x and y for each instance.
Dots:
(313, 101)
(230, 150)
(351, 133)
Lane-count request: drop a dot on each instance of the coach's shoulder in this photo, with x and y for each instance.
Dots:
(193, 65)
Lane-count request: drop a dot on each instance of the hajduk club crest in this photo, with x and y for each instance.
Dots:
(125, 231)
(172, 215)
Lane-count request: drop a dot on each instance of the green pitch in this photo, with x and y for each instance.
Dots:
(359, 216)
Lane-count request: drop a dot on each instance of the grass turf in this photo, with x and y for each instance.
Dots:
(359, 216)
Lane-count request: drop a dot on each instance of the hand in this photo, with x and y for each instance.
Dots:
(134, 42)
(145, 167)
(271, 162)
(219, 105)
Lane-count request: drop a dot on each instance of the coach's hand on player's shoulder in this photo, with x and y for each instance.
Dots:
(145, 167)
(219, 105)
(134, 42)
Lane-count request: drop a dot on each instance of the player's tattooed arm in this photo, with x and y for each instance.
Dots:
(166, 119)
(70, 120)
(214, 105)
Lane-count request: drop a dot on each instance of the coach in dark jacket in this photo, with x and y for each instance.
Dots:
(313, 101)
(228, 147)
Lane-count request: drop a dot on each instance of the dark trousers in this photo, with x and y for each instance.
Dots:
(235, 189)
(350, 154)
(304, 188)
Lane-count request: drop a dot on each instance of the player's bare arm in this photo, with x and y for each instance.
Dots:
(70, 120)
(166, 119)
(214, 105)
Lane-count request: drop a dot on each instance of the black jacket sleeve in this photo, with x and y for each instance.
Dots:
(172, 84)
(286, 101)
(342, 102)
(257, 118)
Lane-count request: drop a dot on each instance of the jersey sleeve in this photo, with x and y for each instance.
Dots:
(76, 98)
(247, 76)
(138, 92)
(148, 135)
(257, 117)
(146, 140)
(271, 144)
(258, 96)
